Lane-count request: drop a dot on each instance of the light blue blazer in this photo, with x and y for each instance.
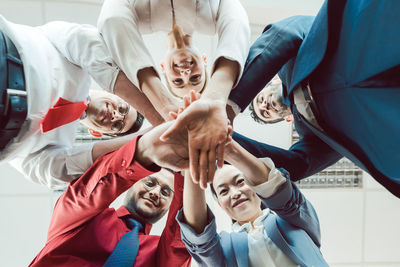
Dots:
(294, 229)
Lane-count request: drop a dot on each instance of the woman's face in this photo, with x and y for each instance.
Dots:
(235, 197)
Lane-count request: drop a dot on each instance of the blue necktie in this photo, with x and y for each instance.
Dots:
(124, 253)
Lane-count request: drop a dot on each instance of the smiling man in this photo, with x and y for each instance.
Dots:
(52, 65)
(109, 114)
(85, 231)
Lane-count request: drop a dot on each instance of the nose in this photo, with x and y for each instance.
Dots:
(264, 104)
(236, 193)
(116, 116)
(155, 193)
(185, 72)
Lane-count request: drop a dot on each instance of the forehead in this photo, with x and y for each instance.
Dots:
(225, 175)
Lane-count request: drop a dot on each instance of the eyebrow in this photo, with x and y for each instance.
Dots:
(232, 180)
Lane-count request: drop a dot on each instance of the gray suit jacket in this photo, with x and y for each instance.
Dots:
(294, 229)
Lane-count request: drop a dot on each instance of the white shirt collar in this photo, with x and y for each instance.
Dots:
(258, 223)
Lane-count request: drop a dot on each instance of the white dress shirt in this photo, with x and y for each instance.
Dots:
(122, 23)
(262, 250)
(52, 55)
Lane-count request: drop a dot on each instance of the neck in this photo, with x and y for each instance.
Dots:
(252, 219)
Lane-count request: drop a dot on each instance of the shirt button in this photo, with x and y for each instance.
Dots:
(123, 163)
(129, 172)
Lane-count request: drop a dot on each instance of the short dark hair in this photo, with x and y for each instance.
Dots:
(135, 127)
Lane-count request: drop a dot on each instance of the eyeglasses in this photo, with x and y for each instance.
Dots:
(123, 110)
(150, 183)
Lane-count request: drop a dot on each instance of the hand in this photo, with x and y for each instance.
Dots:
(172, 154)
(208, 130)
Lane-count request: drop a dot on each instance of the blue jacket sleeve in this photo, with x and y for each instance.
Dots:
(277, 45)
(292, 206)
(205, 247)
(306, 157)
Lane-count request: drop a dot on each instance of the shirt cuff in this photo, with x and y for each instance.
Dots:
(190, 236)
(275, 180)
(235, 107)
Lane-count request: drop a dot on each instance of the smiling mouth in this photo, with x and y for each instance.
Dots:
(238, 202)
(152, 202)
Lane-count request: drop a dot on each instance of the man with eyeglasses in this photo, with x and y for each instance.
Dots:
(110, 115)
(44, 71)
(84, 231)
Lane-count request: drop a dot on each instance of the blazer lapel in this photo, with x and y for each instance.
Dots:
(235, 249)
(273, 232)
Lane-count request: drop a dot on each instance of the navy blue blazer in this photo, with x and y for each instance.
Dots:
(350, 56)
(278, 45)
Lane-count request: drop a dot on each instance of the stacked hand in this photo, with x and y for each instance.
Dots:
(172, 154)
(208, 130)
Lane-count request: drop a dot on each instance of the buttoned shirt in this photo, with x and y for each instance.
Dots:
(84, 231)
(122, 23)
(58, 60)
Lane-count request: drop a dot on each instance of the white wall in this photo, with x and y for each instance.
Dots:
(360, 227)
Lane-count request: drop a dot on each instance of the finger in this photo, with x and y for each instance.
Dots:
(203, 168)
(194, 164)
(192, 96)
(181, 109)
(211, 165)
(198, 95)
(220, 155)
(186, 101)
(173, 115)
(229, 141)
(230, 131)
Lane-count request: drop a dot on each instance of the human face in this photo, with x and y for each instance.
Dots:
(108, 113)
(184, 69)
(235, 197)
(268, 104)
(149, 199)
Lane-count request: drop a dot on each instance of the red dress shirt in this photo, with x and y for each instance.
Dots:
(84, 230)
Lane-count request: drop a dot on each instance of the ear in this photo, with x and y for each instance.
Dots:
(95, 133)
(289, 118)
(162, 65)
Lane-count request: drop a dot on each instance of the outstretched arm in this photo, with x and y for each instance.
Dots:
(198, 228)
(306, 157)
(118, 25)
(114, 173)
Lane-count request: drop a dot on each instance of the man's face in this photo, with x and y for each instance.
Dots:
(184, 69)
(268, 104)
(108, 113)
(150, 198)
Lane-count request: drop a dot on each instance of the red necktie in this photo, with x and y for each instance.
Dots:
(62, 113)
